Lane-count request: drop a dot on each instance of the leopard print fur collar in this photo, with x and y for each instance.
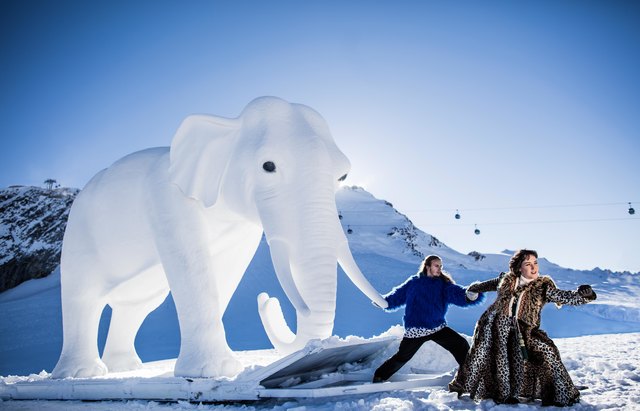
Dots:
(530, 297)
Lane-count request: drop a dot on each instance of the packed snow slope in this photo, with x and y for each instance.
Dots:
(388, 249)
(611, 373)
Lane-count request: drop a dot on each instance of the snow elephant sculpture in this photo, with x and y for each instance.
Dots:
(188, 219)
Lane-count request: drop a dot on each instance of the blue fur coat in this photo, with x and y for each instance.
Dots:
(426, 300)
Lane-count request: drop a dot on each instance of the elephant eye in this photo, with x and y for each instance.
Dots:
(269, 166)
(344, 177)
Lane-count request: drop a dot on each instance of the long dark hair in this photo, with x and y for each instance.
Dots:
(427, 263)
(518, 258)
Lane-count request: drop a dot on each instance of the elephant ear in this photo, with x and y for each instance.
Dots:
(341, 163)
(199, 155)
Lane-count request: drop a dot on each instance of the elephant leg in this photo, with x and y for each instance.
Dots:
(204, 351)
(127, 317)
(188, 263)
(80, 317)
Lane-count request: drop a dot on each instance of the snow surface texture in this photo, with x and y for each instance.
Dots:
(189, 219)
(612, 375)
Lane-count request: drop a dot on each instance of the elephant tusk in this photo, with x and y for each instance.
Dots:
(280, 258)
(348, 264)
(274, 323)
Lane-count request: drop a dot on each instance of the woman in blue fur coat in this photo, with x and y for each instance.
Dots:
(426, 297)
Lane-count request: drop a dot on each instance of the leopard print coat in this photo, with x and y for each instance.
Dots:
(497, 366)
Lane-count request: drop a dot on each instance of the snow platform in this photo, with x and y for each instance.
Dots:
(313, 372)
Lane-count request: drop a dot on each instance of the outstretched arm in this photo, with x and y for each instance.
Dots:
(484, 286)
(462, 297)
(584, 294)
(397, 297)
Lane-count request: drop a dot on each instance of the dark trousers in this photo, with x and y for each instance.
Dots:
(448, 339)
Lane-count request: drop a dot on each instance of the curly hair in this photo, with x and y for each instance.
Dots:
(518, 258)
(427, 263)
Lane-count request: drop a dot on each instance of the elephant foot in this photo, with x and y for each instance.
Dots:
(117, 362)
(218, 366)
(70, 367)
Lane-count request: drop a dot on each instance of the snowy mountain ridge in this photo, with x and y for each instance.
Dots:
(32, 223)
(33, 219)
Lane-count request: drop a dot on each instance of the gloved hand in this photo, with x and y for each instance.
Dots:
(473, 287)
(471, 296)
(586, 291)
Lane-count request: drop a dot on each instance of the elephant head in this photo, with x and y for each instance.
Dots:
(278, 167)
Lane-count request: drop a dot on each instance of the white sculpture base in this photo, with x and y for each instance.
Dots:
(312, 372)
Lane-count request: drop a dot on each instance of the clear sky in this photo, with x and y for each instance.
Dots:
(522, 115)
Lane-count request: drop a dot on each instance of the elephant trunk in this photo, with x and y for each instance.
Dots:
(313, 264)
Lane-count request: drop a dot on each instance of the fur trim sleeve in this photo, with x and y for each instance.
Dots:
(457, 295)
(397, 297)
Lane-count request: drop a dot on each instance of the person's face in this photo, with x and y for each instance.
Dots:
(529, 267)
(435, 269)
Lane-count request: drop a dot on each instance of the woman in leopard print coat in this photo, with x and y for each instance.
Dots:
(511, 356)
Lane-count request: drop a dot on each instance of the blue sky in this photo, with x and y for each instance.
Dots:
(522, 115)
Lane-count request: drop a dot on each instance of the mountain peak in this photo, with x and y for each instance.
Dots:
(374, 226)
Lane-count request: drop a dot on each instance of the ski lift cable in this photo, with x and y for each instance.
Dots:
(460, 210)
(509, 222)
(536, 222)
(631, 211)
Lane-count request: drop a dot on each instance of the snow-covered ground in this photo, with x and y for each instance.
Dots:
(608, 364)
(602, 353)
